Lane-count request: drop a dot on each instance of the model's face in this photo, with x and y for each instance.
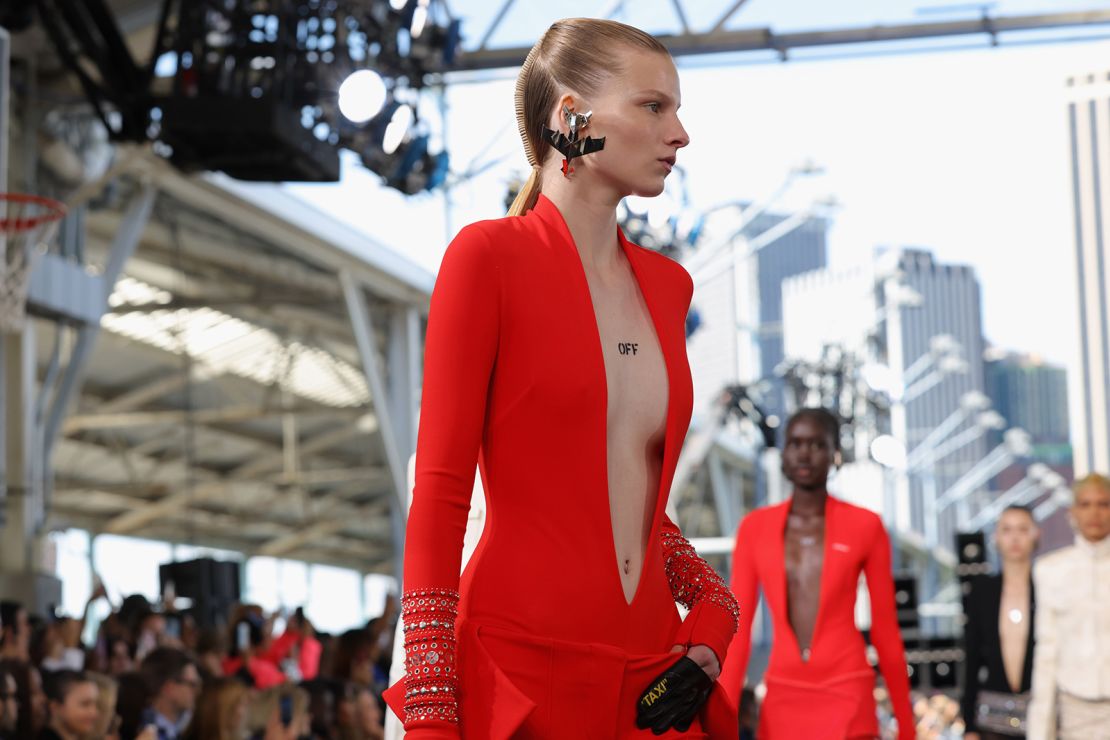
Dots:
(79, 712)
(636, 110)
(1091, 512)
(1016, 536)
(807, 455)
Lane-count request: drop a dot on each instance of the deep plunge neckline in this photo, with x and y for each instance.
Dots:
(805, 655)
(599, 352)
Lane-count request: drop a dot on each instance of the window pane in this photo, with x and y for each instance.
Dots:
(336, 598)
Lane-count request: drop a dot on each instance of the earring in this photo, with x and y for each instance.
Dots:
(572, 147)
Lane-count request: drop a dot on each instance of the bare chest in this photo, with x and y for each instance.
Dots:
(635, 370)
(804, 552)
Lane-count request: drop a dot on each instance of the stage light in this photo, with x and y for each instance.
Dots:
(419, 19)
(362, 95)
(282, 115)
(397, 128)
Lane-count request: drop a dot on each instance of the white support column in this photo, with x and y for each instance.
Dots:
(23, 502)
(363, 327)
(123, 246)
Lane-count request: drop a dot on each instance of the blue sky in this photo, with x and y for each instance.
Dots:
(961, 152)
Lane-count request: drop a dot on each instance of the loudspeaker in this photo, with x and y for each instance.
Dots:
(212, 585)
(971, 551)
(933, 662)
(905, 602)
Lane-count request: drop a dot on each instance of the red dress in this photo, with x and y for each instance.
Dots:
(830, 695)
(547, 645)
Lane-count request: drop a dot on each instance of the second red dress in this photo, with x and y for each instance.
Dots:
(830, 695)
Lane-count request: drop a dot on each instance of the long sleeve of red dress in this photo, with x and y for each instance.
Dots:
(694, 584)
(745, 587)
(885, 633)
(460, 350)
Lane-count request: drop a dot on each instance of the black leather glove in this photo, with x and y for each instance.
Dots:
(674, 698)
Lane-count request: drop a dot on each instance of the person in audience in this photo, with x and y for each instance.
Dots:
(279, 713)
(173, 681)
(150, 634)
(74, 713)
(354, 657)
(221, 712)
(322, 703)
(15, 632)
(132, 699)
(1071, 660)
(248, 644)
(211, 652)
(107, 723)
(999, 632)
(346, 710)
(29, 696)
(120, 657)
(59, 646)
(9, 705)
(368, 715)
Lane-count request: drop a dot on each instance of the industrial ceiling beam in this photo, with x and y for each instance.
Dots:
(727, 16)
(764, 39)
(226, 415)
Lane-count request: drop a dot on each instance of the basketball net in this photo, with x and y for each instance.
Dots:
(27, 223)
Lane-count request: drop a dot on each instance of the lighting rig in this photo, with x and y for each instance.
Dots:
(269, 89)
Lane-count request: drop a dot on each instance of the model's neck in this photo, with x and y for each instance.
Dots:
(590, 215)
(809, 500)
(1016, 572)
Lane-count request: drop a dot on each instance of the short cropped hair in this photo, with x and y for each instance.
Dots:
(57, 684)
(824, 418)
(163, 665)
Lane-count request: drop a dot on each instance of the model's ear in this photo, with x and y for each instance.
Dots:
(838, 459)
(568, 101)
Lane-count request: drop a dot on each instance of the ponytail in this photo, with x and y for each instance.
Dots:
(529, 193)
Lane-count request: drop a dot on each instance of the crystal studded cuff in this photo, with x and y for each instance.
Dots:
(693, 581)
(430, 679)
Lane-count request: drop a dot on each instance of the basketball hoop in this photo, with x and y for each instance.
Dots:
(26, 223)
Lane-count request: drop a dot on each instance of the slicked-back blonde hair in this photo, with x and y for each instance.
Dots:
(576, 54)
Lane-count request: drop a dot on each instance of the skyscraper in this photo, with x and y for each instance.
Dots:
(1032, 394)
(1089, 128)
(856, 310)
(802, 250)
(723, 353)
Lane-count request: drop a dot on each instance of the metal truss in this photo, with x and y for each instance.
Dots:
(717, 39)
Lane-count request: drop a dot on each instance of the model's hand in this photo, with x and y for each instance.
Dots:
(704, 656)
(971, 736)
(673, 698)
